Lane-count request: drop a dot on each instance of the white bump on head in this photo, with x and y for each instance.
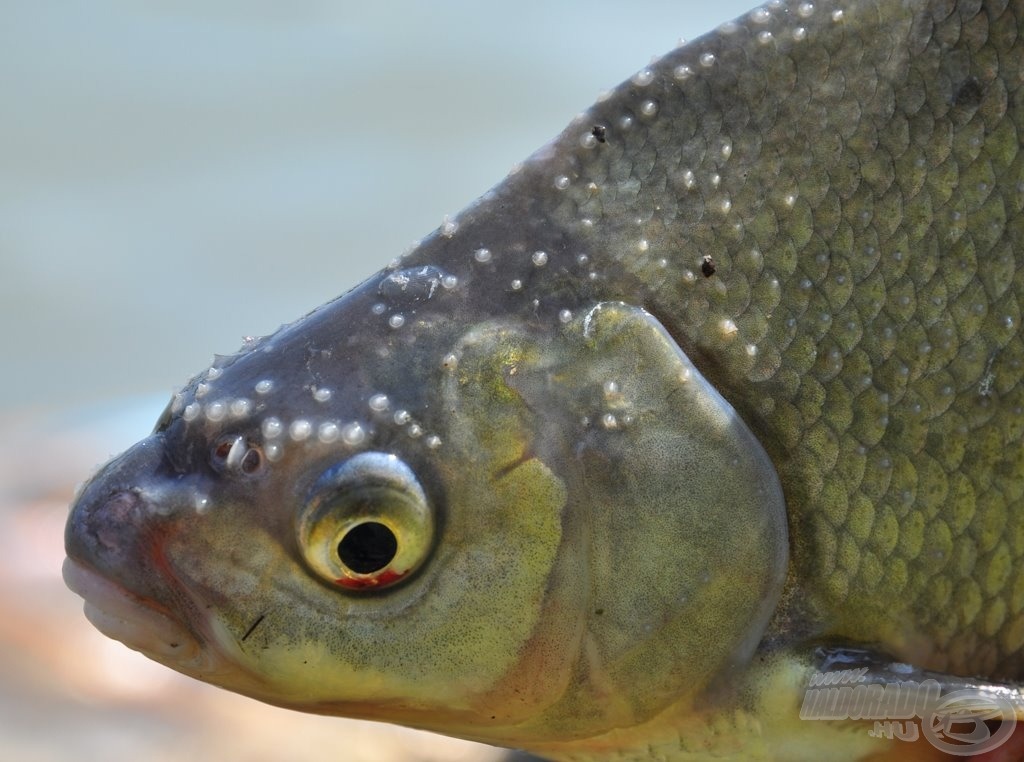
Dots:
(191, 411)
(643, 77)
(761, 15)
(449, 282)
(240, 407)
(213, 374)
(273, 451)
(799, 34)
(378, 308)
(805, 10)
(202, 390)
(415, 431)
(764, 37)
(728, 328)
(264, 386)
(379, 403)
(707, 60)
(564, 316)
(402, 417)
(271, 428)
(321, 394)
(450, 361)
(561, 182)
(433, 441)
(649, 108)
(449, 227)
(216, 411)
(328, 432)
(396, 321)
(516, 284)
(300, 430)
(482, 255)
(353, 433)
(540, 258)
(682, 73)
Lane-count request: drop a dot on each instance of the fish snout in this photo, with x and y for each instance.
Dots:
(111, 521)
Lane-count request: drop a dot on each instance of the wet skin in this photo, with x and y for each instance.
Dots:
(719, 388)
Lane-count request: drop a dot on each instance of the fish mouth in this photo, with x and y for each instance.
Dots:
(136, 622)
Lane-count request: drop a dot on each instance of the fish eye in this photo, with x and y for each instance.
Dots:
(367, 524)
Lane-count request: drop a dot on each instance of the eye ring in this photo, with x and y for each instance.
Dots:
(367, 524)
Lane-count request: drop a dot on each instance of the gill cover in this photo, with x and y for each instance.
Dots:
(673, 544)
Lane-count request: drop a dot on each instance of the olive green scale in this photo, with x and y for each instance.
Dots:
(855, 180)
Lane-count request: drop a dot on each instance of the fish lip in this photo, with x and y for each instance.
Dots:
(135, 621)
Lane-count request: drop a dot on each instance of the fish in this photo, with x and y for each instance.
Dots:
(696, 437)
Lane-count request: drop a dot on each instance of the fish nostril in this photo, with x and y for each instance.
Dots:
(103, 526)
(108, 520)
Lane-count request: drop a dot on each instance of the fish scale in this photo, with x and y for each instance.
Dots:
(718, 393)
(891, 339)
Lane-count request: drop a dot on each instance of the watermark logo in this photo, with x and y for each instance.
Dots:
(956, 723)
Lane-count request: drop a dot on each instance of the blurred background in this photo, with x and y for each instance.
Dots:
(177, 175)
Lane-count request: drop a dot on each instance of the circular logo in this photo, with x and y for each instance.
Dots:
(957, 723)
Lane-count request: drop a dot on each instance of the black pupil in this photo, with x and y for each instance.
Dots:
(368, 547)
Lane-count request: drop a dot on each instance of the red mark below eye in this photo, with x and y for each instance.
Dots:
(383, 579)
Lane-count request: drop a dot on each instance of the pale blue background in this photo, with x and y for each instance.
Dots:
(175, 175)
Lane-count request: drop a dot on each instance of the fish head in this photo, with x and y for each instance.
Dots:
(505, 528)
